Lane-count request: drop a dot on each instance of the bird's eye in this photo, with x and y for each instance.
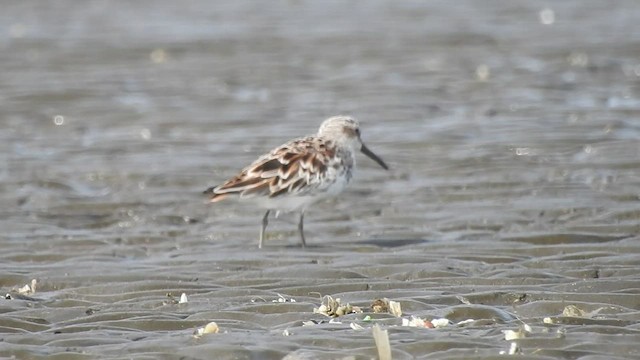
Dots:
(358, 132)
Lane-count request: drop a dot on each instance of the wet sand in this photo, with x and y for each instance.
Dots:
(512, 202)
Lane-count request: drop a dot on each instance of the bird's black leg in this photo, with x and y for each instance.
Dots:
(301, 229)
(265, 222)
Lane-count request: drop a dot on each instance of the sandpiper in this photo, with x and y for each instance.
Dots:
(300, 172)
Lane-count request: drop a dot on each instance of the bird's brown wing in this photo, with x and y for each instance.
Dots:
(295, 167)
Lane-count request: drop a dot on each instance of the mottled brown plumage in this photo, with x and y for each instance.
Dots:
(297, 167)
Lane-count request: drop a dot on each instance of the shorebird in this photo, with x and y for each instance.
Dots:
(299, 173)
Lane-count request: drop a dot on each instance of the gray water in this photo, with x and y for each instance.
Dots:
(511, 129)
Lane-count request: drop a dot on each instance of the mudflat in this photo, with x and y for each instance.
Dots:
(511, 208)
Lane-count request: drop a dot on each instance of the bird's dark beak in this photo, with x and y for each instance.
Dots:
(365, 150)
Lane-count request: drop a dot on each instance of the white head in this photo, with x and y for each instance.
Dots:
(341, 129)
(345, 131)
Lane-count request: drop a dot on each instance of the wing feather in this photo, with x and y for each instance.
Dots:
(296, 167)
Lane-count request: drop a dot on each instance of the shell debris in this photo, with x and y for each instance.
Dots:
(282, 299)
(514, 334)
(513, 349)
(415, 321)
(386, 306)
(172, 300)
(334, 307)
(441, 322)
(210, 328)
(574, 311)
(28, 289)
(183, 299)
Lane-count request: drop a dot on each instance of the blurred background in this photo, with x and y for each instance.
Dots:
(504, 123)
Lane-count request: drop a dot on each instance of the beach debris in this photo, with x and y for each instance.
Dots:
(28, 289)
(571, 311)
(282, 299)
(464, 322)
(380, 305)
(415, 321)
(286, 332)
(521, 333)
(318, 322)
(334, 307)
(438, 323)
(513, 349)
(561, 333)
(355, 326)
(514, 334)
(386, 306)
(381, 338)
(91, 311)
(574, 311)
(183, 299)
(210, 328)
(23, 293)
(172, 300)
(441, 322)
(463, 300)
(17, 296)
